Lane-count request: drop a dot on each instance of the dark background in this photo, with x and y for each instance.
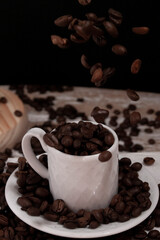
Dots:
(28, 56)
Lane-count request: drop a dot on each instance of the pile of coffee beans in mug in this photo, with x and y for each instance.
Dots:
(82, 138)
(132, 199)
(104, 31)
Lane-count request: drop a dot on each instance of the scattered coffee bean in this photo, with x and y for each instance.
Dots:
(135, 118)
(18, 113)
(148, 161)
(3, 100)
(99, 114)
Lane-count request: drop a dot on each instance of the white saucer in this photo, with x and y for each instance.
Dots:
(11, 194)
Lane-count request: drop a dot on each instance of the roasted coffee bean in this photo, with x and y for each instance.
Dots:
(67, 141)
(24, 202)
(141, 235)
(33, 211)
(97, 75)
(136, 166)
(148, 161)
(115, 16)
(84, 2)
(136, 212)
(18, 113)
(105, 156)
(98, 215)
(84, 62)
(140, 30)
(119, 49)
(42, 192)
(132, 95)
(3, 100)
(135, 118)
(111, 29)
(71, 224)
(100, 40)
(94, 67)
(153, 234)
(50, 139)
(136, 65)
(58, 205)
(63, 21)
(99, 114)
(109, 139)
(123, 218)
(51, 216)
(107, 73)
(82, 222)
(94, 224)
(59, 41)
(3, 220)
(91, 16)
(119, 207)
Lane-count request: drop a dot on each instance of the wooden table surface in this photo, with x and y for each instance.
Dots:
(102, 97)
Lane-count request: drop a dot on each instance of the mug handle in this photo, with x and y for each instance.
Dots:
(30, 155)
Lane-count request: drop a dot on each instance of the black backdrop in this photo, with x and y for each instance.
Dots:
(28, 56)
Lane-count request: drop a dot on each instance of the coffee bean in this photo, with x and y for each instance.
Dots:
(42, 192)
(3, 220)
(111, 29)
(71, 224)
(97, 75)
(3, 100)
(94, 67)
(82, 222)
(24, 202)
(109, 139)
(148, 161)
(136, 65)
(67, 141)
(98, 215)
(18, 113)
(136, 212)
(136, 166)
(132, 95)
(50, 140)
(99, 114)
(115, 16)
(63, 21)
(94, 224)
(119, 49)
(58, 206)
(140, 30)
(153, 234)
(84, 62)
(51, 216)
(84, 2)
(135, 118)
(105, 156)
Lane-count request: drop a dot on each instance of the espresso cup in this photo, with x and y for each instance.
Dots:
(83, 182)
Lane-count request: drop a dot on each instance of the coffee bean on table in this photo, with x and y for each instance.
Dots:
(132, 95)
(105, 156)
(135, 118)
(148, 161)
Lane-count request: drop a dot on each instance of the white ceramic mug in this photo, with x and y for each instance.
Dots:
(83, 182)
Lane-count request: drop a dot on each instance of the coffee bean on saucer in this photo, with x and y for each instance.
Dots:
(105, 156)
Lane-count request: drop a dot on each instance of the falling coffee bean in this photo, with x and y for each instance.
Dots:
(99, 114)
(84, 2)
(84, 62)
(140, 30)
(132, 95)
(97, 75)
(119, 49)
(136, 65)
(111, 29)
(63, 21)
(115, 16)
(105, 156)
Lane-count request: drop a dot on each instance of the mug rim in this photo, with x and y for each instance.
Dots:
(111, 149)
